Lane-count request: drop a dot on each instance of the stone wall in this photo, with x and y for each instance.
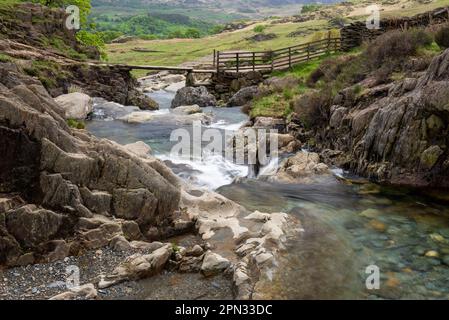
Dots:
(356, 33)
(224, 85)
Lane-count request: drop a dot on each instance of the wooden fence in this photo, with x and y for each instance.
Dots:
(281, 59)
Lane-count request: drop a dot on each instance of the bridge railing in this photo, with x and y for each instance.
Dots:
(241, 61)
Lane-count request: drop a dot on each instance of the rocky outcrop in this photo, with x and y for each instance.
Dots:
(61, 75)
(65, 177)
(396, 133)
(42, 27)
(194, 95)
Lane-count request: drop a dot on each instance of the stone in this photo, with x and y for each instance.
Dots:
(96, 201)
(195, 251)
(139, 148)
(377, 225)
(32, 226)
(243, 96)
(138, 266)
(268, 123)
(214, 264)
(430, 156)
(75, 105)
(131, 230)
(445, 260)
(187, 110)
(432, 254)
(138, 204)
(119, 243)
(61, 250)
(194, 95)
(304, 167)
(138, 117)
(84, 292)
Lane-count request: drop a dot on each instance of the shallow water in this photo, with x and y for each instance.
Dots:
(348, 227)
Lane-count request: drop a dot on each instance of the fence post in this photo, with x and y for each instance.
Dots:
(290, 57)
(218, 61)
(328, 41)
(308, 51)
(237, 56)
(215, 56)
(254, 61)
(272, 60)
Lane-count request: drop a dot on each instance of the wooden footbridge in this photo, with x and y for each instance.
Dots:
(262, 61)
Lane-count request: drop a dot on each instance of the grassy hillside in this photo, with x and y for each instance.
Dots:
(177, 51)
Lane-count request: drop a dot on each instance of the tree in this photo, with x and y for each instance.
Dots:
(192, 33)
(83, 5)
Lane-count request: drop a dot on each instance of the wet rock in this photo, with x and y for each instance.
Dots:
(187, 110)
(214, 264)
(304, 166)
(194, 95)
(445, 260)
(75, 105)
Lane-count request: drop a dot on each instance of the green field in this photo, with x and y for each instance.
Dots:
(176, 51)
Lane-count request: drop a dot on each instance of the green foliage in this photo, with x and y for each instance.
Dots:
(92, 39)
(83, 5)
(442, 37)
(72, 123)
(312, 7)
(192, 33)
(217, 29)
(259, 28)
(48, 72)
(5, 58)
(153, 25)
(108, 36)
(175, 247)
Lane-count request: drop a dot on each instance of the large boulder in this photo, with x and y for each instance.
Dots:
(76, 105)
(304, 167)
(243, 96)
(194, 95)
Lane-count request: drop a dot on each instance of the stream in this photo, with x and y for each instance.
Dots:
(348, 226)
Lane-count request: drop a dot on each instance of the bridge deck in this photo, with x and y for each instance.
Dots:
(158, 68)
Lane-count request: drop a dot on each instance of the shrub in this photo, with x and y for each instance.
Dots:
(313, 107)
(259, 29)
(5, 58)
(442, 37)
(192, 33)
(395, 46)
(72, 123)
